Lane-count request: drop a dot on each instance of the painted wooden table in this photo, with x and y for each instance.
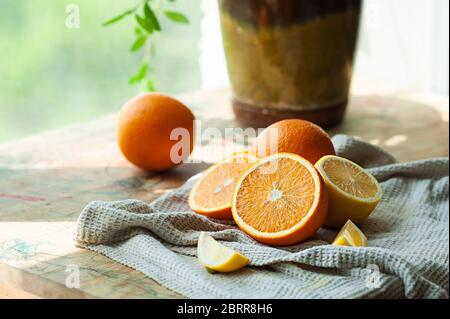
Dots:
(46, 179)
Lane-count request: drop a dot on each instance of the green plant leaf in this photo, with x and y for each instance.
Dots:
(176, 16)
(140, 75)
(151, 86)
(118, 18)
(138, 43)
(151, 17)
(138, 31)
(144, 23)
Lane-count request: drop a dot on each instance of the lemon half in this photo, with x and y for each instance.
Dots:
(218, 257)
(353, 193)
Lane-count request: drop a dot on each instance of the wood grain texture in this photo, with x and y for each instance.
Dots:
(46, 179)
(7, 292)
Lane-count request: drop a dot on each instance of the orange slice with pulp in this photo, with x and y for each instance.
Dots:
(281, 200)
(211, 195)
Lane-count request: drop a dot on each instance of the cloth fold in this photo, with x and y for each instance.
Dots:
(407, 255)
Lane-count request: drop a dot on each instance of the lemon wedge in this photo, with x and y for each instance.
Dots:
(218, 257)
(350, 235)
(353, 193)
(341, 241)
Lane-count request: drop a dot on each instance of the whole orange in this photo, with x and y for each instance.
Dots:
(294, 136)
(147, 135)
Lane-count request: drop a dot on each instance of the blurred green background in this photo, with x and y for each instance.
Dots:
(51, 75)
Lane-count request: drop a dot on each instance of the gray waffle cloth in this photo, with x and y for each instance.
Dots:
(407, 255)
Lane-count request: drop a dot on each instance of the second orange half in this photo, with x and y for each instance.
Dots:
(212, 194)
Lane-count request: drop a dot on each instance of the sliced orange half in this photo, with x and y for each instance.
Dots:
(281, 200)
(212, 194)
